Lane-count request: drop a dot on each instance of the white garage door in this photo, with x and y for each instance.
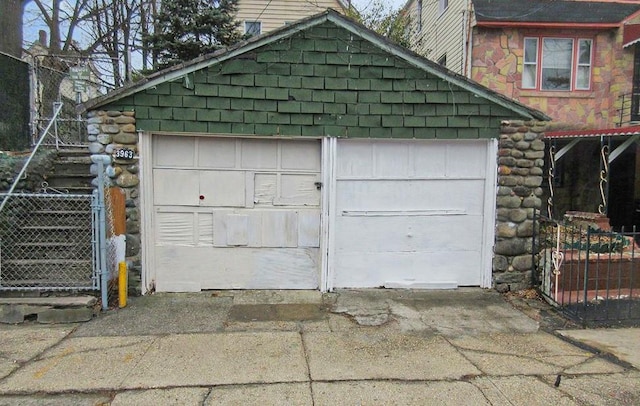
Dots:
(235, 213)
(411, 213)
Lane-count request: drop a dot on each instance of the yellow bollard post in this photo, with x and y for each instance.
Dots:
(122, 284)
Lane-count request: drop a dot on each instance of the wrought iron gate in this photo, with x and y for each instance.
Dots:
(591, 275)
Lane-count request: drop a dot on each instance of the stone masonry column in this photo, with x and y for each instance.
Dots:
(109, 131)
(520, 175)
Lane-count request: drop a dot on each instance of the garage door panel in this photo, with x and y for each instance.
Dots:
(408, 234)
(174, 228)
(222, 188)
(196, 268)
(409, 212)
(410, 195)
(174, 151)
(355, 159)
(376, 269)
(391, 159)
(236, 217)
(217, 152)
(429, 159)
(300, 155)
(175, 187)
(279, 229)
(308, 226)
(298, 190)
(265, 188)
(466, 158)
(258, 154)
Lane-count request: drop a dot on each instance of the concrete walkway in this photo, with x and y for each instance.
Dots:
(368, 347)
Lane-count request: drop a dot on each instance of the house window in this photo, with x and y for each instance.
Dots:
(561, 64)
(419, 12)
(442, 5)
(443, 60)
(252, 28)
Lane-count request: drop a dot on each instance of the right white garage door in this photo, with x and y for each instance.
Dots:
(412, 213)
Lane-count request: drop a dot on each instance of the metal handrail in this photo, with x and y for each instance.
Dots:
(58, 108)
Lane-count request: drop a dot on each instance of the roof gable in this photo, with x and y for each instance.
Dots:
(331, 18)
(552, 11)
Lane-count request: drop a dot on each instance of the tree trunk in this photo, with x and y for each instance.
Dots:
(11, 23)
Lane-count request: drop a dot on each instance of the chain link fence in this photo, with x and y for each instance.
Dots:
(46, 242)
(69, 80)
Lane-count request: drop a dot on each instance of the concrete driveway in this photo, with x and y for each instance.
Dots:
(361, 347)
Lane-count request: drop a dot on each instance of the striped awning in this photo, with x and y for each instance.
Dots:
(608, 132)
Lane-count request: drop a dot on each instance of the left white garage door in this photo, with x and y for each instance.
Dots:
(232, 213)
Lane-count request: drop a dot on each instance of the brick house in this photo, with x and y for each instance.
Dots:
(577, 61)
(321, 156)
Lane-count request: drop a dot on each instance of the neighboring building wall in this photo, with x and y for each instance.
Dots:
(520, 163)
(497, 64)
(441, 33)
(275, 14)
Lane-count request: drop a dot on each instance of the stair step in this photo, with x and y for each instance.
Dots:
(67, 309)
(57, 227)
(46, 244)
(61, 212)
(47, 262)
(73, 152)
(51, 301)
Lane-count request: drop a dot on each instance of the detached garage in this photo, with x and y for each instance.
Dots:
(319, 156)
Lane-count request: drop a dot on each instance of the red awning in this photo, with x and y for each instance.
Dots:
(608, 132)
(631, 34)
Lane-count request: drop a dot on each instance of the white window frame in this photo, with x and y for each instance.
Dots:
(588, 66)
(575, 64)
(259, 23)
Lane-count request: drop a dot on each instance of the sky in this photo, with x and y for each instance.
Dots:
(32, 26)
(362, 4)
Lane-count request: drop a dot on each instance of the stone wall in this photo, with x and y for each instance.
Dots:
(520, 175)
(108, 131)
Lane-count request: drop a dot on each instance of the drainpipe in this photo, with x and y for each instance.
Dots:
(102, 233)
(468, 44)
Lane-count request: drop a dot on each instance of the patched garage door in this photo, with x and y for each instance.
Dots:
(411, 213)
(232, 213)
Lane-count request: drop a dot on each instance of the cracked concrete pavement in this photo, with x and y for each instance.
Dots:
(360, 347)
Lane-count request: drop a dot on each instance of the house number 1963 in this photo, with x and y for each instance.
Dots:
(123, 153)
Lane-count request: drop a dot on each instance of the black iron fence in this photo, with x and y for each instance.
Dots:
(591, 274)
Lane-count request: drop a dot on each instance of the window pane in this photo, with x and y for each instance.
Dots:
(585, 52)
(556, 64)
(530, 50)
(252, 27)
(582, 81)
(529, 77)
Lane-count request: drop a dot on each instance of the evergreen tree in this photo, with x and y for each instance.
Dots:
(186, 29)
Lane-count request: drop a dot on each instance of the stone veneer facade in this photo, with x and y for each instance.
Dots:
(520, 175)
(497, 62)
